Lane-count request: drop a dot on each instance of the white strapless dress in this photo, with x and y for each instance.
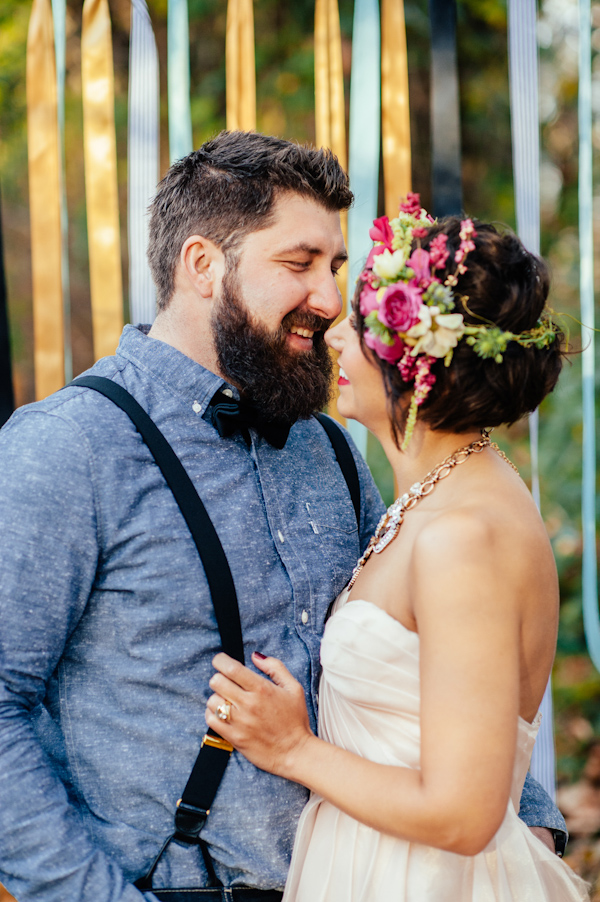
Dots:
(369, 704)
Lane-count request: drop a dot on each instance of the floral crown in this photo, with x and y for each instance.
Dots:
(408, 309)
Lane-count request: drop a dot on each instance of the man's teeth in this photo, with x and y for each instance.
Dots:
(342, 374)
(305, 333)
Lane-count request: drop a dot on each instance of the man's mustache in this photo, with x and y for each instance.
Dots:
(305, 321)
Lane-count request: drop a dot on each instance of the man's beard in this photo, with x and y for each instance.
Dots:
(283, 384)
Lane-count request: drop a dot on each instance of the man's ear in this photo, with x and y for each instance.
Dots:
(203, 263)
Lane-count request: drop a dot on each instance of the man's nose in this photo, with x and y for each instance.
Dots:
(325, 300)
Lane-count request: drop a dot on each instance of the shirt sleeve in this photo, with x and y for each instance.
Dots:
(538, 809)
(48, 558)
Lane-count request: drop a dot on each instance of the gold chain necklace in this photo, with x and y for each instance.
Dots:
(389, 525)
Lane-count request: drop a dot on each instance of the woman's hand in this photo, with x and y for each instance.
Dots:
(268, 721)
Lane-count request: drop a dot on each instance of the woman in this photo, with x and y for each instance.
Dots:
(437, 654)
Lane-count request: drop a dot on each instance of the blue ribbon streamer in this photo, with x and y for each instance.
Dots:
(59, 14)
(591, 618)
(365, 126)
(178, 76)
(142, 158)
(524, 106)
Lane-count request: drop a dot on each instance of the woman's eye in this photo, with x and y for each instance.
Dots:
(352, 322)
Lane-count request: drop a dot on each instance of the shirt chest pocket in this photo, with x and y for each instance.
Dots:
(331, 530)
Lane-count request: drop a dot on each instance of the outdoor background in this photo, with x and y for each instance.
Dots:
(285, 103)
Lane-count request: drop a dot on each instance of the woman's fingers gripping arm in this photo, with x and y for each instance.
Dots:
(268, 723)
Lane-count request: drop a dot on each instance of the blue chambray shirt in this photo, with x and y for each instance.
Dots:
(107, 629)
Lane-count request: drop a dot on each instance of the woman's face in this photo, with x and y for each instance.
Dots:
(362, 395)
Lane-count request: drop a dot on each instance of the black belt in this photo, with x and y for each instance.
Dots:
(221, 894)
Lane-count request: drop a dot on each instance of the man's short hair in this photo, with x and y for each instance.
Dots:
(226, 189)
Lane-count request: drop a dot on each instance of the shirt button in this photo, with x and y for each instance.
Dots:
(196, 407)
(228, 392)
(304, 617)
(280, 536)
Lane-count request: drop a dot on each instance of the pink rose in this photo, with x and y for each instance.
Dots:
(381, 230)
(399, 306)
(368, 300)
(419, 263)
(390, 353)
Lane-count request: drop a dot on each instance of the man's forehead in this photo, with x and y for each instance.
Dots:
(303, 224)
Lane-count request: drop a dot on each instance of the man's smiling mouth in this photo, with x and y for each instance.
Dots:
(304, 333)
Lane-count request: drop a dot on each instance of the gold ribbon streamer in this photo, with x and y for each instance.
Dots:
(395, 115)
(100, 153)
(240, 66)
(44, 202)
(330, 109)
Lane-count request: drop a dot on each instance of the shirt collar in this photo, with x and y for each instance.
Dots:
(179, 374)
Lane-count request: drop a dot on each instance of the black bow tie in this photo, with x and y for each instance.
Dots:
(228, 416)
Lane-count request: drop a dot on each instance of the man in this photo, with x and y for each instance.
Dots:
(108, 629)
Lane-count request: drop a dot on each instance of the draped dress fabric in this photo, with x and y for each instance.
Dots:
(369, 704)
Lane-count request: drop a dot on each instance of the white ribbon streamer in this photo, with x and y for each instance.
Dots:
(59, 16)
(523, 76)
(365, 112)
(142, 158)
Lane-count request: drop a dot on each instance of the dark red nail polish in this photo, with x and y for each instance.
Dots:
(260, 655)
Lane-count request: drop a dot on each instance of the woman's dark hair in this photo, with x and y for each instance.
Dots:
(505, 286)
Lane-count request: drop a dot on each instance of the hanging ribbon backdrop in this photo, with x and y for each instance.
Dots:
(240, 66)
(395, 113)
(178, 77)
(59, 15)
(586, 274)
(378, 103)
(365, 113)
(44, 202)
(330, 107)
(7, 400)
(445, 110)
(143, 151)
(523, 77)
(100, 154)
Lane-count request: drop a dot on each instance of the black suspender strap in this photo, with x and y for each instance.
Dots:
(345, 459)
(207, 542)
(207, 773)
(201, 788)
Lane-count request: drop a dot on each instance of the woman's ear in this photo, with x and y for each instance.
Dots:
(203, 264)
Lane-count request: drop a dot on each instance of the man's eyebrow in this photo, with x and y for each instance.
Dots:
(304, 248)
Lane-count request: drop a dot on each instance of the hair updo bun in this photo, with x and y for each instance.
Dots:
(504, 286)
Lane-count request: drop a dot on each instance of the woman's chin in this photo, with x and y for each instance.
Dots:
(349, 412)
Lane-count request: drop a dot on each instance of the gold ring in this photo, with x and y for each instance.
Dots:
(223, 712)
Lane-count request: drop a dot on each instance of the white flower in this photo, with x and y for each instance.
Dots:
(388, 266)
(437, 333)
(425, 321)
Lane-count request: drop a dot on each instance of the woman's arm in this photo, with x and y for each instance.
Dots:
(468, 618)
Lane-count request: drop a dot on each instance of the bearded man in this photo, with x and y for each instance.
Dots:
(108, 625)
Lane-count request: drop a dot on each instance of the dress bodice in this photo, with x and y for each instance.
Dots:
(371, 669)
(369, 704)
